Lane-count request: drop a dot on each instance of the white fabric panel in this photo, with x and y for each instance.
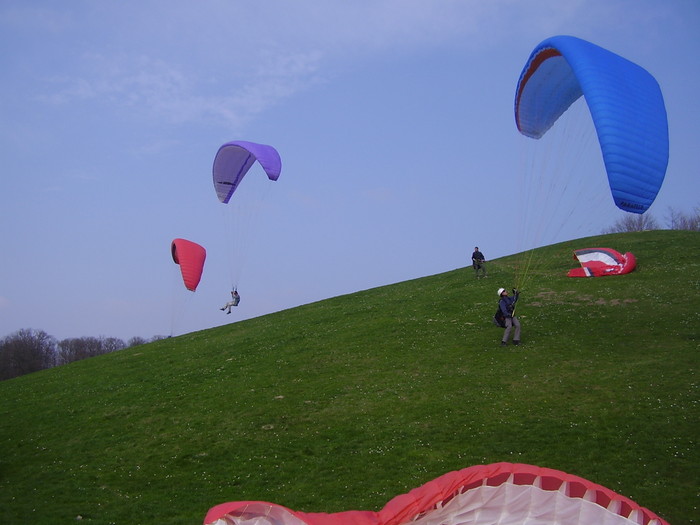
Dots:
(526, 505)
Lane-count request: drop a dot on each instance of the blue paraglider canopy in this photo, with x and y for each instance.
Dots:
(624, 100)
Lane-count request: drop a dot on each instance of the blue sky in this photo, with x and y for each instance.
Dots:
(394, 121)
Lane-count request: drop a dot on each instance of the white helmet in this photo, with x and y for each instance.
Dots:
(500, 291)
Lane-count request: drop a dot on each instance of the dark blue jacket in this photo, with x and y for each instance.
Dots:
(507, 305)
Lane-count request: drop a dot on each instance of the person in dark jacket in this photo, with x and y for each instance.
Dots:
(478, 261)
(506, 304)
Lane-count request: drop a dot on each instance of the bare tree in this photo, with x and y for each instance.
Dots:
(26, 351)
(136, 341)
(77, 348)
(684, 221)
(676, 220)
(633, 222)
(112, 344)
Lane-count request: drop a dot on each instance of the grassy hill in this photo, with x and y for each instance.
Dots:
(344, 403)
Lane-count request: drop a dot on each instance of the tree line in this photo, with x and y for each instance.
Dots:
(675, 220)
(27, 350)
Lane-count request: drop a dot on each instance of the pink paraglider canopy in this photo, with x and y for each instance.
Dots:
(190, 256)
(503, 493)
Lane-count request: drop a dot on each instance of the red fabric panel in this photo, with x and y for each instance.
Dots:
(190, 256)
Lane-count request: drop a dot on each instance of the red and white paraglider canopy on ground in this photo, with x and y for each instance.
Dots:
(598, 262)
(500, 493)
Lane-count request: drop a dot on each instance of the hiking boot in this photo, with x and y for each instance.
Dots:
(503, 343)
(516, 343)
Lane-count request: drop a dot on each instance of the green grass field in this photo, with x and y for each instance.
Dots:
(344, 403)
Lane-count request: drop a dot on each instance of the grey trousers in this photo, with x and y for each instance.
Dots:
(510, 323)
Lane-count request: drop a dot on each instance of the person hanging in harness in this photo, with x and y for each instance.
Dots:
(235, 299)
(506, 306)
(478, 261)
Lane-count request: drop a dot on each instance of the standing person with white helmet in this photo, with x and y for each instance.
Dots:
(506, 304)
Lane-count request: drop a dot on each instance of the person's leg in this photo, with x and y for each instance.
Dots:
(516, 335)
(506, 332)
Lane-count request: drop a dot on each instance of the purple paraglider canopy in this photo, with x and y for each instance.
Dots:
(234, 159)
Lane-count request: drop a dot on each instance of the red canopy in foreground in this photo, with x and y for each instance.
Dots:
(503, 493)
